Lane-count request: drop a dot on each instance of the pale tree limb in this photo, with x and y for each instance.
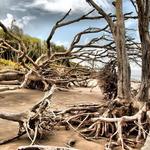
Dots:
(28, 119)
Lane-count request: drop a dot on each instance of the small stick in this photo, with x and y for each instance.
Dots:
(12, 139)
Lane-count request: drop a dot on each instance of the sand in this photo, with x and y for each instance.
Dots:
(23, 99)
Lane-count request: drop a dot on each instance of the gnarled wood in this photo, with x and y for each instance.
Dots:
(40, 147)
(118, 33)
(7, 76)
(31, 119)
(143, 24)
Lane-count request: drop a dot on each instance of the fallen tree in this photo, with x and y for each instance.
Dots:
(11, 75)
(32, 120)
(49, 68)
(41, 74)
(122, 123)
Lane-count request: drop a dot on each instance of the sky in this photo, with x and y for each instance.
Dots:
(37, 17)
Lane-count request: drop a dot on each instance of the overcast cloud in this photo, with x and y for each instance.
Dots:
(42, 14)
(65, 5)
(18, 22)
(36, 17)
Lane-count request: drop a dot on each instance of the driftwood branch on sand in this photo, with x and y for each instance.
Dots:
(40, 147)
(113, 120)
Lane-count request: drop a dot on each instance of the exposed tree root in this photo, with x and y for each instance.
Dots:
(147, 142)
(124, 125)
(35, 120)
(121, 128)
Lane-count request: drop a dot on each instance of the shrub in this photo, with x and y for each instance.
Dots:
(8, 64)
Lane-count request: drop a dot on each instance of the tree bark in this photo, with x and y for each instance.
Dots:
(118, 32)
(143, 24)
(123, 64)
(7, 76)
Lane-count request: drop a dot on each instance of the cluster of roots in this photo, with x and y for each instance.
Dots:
(121, 123)
(109, 121)
(108, 80)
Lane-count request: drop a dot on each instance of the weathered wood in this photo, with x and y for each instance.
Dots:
(6, 88)
(147, 142)
(40, 147)
(16, 117)
(143, 25)
(30, 119)
(10, 76)
(123, 64)
(12, 82)
(118, 32)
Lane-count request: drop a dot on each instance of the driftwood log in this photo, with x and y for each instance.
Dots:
(40, 147)
(11, 75)
(11, 82)
(32, 120)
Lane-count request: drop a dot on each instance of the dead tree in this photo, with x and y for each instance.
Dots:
(91, 51)
(143, 10)
(119, 38)
(92, 121)
(40, 72)
(143, 25)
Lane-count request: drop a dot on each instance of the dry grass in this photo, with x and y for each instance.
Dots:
(8, 64)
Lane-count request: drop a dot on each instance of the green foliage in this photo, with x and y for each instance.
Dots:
(1, 33)
(27, 39)
(8, 64)
(57, 48)
(35, 47)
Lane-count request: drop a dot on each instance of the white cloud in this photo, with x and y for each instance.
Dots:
(62, 43)
(26, 19)
(17, 8)
(18, 22)
(65, 5)
(8, 20)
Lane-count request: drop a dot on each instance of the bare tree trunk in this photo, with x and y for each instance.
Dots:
(118, 32)
(143, 23)
(143, 94)
(123, 64)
